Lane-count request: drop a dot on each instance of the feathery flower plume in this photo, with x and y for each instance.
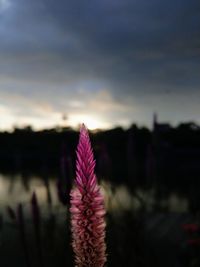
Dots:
(87, 209)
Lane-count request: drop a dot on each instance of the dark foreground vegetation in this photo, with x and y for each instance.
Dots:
(133, 239)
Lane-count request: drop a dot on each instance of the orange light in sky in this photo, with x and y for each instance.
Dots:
(91, 121)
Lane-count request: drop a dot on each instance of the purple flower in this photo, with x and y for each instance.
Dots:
(87, 209)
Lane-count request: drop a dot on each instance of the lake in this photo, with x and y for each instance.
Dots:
(18, 188)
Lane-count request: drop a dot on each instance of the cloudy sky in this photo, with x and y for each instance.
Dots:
(102, 62)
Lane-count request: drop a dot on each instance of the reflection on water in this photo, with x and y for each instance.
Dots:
(13, 189)
(17, 188)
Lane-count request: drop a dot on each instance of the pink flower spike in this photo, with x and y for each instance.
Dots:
(87, 209)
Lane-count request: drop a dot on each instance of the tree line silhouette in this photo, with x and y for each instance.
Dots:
(165, 155)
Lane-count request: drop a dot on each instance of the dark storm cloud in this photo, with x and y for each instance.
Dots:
(123, 42)
(133, 49)
(136, 42)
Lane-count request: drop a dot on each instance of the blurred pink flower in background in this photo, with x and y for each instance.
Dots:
(87, 209)
(190, 227)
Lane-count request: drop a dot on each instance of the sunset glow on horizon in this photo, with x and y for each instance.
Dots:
(9, 121)
(90, 121)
